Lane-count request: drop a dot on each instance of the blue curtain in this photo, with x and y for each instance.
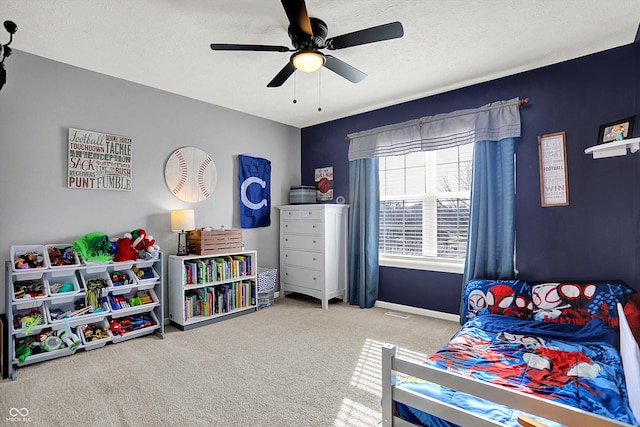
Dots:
(491, 239)
(364, 218)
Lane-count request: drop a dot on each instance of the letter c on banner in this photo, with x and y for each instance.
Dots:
(243, 193)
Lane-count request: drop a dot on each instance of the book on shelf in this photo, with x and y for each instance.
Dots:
(191, 272)
(219, 299)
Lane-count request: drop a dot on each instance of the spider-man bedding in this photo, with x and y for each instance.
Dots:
(557, 341)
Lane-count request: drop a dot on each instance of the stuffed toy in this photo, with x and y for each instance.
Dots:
(94, 247)
(125, 250)
(144, 244)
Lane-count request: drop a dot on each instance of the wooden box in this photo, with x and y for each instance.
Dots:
(202, 242)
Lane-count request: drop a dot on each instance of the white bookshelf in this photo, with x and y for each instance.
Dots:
(195, 301)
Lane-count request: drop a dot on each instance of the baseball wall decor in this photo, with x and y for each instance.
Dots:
(191, 174)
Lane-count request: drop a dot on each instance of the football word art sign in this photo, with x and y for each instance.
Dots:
(191, 174)
(99, 161)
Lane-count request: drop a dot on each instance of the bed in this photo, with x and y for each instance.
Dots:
(532, 354)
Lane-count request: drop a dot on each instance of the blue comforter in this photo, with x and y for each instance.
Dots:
(576, 365)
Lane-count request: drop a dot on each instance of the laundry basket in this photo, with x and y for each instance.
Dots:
(266, 284)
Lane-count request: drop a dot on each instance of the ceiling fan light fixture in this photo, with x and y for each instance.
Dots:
(308, 60)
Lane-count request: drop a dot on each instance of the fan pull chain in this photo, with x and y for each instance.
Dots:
(319, 86)
(294, 88)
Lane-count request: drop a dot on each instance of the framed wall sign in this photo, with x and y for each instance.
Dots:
(99, 161)
(554, 186)
(324, 183)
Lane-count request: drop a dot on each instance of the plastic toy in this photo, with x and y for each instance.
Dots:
(69, 338)
(59, 288)
(60, 257)
(23, 350)
(95, 333)
(30, 321)
(127, 324)
(143, 273)
(144, 297)
(120, 278)
(51, 343)
(93, 296)
(29, 260)
(118, 302)
(29, 289)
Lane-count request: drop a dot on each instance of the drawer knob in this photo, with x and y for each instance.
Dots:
(286, 225)
(286, 255)
(286, 274)
(314, 241)
(309, 213)
(314, 278)
(314, 258)
(289, 213)
(286, 240)
(314, 226)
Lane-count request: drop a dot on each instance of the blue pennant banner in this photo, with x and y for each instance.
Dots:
(254, 181)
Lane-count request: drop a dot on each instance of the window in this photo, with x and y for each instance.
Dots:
(424, 209)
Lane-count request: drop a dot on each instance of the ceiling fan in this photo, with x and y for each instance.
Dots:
(308, 36)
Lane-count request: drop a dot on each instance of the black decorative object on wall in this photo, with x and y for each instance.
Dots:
(6, 51)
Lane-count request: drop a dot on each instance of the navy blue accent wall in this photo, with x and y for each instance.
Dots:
(596, 237)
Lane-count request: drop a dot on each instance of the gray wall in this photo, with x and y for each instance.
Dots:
(43, 98)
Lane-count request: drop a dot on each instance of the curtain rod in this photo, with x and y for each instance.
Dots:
(521, 102)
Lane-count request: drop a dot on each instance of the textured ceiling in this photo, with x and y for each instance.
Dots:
(447, 44)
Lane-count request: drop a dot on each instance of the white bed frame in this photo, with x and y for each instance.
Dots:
(392, 364)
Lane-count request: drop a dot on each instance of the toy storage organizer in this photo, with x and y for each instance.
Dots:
(50, 299)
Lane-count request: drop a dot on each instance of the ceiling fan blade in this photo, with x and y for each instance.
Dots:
(296, 11)
(379, 33)
(282, 76)
(254, 47)
(343, 69)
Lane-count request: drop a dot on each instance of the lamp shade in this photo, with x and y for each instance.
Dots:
(308, 61)
(182, 219)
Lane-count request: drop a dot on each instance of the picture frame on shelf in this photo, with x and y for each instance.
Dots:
(616, 130)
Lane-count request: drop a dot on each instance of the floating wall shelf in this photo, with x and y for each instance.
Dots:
(615, 148)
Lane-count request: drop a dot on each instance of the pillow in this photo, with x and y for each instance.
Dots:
(507, 297)
(578, 302)
(632, 313)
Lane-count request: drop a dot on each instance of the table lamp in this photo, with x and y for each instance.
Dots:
(181, 220)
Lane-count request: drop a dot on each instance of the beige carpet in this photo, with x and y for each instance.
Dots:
(293, 364)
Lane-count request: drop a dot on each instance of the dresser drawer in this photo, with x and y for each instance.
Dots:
(311, 260)
(310, 243)
(304, 227)
(303, 277)
(316, 214)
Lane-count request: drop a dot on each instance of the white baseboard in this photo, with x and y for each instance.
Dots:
(419, 311)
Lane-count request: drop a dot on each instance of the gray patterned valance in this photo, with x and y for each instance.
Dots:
(491, 122)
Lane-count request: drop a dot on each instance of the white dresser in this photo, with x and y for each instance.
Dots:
(313, 250)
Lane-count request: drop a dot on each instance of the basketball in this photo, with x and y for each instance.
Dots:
(324, 185)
